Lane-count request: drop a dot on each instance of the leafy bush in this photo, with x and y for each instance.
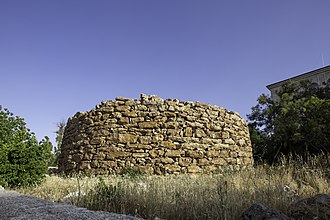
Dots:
(23, 161)
(298, 124)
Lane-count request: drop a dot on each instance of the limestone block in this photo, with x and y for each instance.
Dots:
(195, 124)
(120, 98)
(140, 154)
(136, 120)
(241, 143)
(109, 164)
(131, 102)
(213, 153)
(203, 162)
(94, 164)
(190, 117)
(127, 138)
(143, 146)
(142, 108)
(104, 132)
(130, 114)
(247, 160)
(153, 153)
(161, 152)
(168, 145)
(167, 160)
(97, 141)
(233, 154)
(174, 153)
(145, 139)
(188, 132)
(170, 114)
(242, 154)
(215, 135)
(172, 132)
(85, 165)
(123, 108)
(117, 115)
(194, 154)
(148, 125)
(231, 161)
(171, 108)
(214, 127)
(99, 156)
(229, 141)
(116, 154)
(87, 156)
(147, 169)
(172, 168)
(123, 120)
(171, 125)
(194, 169)
(185, 161)
(156, 138)
(219, 161)
(225, 135)
(200, 133)
(189, 146)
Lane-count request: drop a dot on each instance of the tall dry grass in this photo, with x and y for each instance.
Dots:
(217, 196)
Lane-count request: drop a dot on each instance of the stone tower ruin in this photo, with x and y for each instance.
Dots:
(154, 136)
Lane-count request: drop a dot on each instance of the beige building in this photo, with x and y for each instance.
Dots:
(318, 78)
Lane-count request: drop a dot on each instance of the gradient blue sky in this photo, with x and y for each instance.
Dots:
(58, 57)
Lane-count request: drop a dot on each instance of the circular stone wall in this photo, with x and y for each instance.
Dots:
(155, 136)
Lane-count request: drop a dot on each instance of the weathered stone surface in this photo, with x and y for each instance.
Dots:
(219, 161)
(148, 124)
(188, 132)
(116, 155)
(162, 136)
(123, 108)
(130, 114)
(263, 212)
(316, 207)
(127, 138)
(194, 169)
(139, 155)
(195, 154)
(174, 153)
(185, 161)
(168, 145)
(167, 160)
(172, 168)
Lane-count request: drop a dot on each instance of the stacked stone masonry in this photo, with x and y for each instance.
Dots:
(154, 136)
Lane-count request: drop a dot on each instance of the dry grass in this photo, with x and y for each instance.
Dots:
(217, 196)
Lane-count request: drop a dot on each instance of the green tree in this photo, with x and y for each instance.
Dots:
(23, 161)
(298, 124)
(59, 138)
(48, 146)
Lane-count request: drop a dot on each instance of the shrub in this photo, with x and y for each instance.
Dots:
(23, 161)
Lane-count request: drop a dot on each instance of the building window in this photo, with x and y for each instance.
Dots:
(314, 85)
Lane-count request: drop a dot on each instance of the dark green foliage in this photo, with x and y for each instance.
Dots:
(59, 137)
(23, 161)
(298, 124)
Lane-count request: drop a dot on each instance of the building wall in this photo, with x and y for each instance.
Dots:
(319, 78)
(155, 136)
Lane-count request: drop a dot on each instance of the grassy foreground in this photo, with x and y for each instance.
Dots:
(217, 196)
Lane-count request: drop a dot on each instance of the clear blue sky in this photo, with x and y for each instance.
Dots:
(58, 57)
